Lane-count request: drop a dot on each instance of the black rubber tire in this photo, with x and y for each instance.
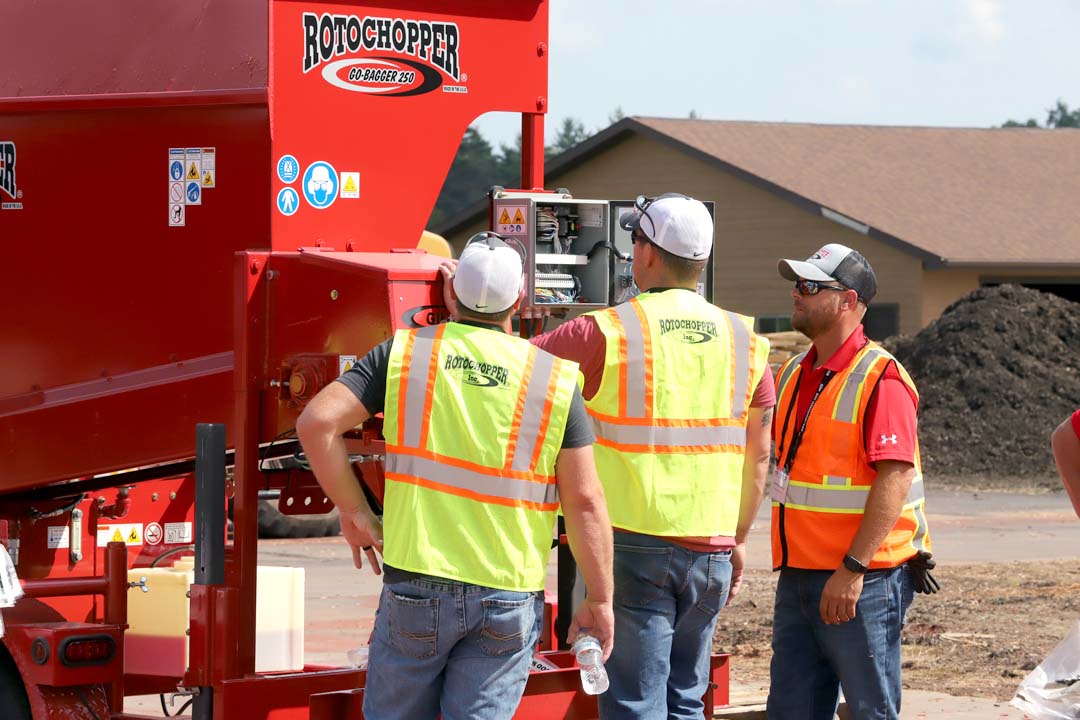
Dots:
(13, 700)
(275, 524)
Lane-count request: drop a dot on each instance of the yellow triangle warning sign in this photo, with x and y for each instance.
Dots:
(208, 180)
(116, 536)
(348, 365)
(504, 219)
(518, 220)
(193, 172)
(350, 184)
(133, 536)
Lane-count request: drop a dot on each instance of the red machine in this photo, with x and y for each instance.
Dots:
(208, 209)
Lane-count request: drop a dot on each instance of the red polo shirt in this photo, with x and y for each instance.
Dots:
(1076, 423)
(889, 428)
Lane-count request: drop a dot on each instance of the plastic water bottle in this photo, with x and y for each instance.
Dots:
(594, 679)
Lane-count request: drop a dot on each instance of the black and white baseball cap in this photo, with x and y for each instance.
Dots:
(834, 263)
(677, 223)
(489, 276)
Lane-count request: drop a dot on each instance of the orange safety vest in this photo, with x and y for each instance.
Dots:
(830, 479)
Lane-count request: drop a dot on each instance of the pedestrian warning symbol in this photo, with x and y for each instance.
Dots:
(116, 536)
(133, 536)
(518, 219)
(193, 172)
(504, 219)
(208, 179)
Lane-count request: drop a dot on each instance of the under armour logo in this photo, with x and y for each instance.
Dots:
(886, 439)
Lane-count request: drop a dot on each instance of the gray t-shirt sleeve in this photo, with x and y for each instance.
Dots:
(367, 378)
(579, 429)
(367, 381)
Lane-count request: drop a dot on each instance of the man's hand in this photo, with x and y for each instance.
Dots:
(738, 562)
(840, 595)
(597, 619)
(362, 530)
(447, 268)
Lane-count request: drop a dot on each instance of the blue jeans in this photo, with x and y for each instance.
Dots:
(446, 646)
(666, 602)
(811, 660)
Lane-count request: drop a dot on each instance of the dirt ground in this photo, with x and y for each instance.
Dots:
(988, 627)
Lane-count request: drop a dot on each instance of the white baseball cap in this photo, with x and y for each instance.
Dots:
(489, 276)
(677, 223)
(834, 263)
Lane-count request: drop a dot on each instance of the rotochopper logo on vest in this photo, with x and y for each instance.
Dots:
(478, 374)
(7, 177)
(430, 50)
(691, 332)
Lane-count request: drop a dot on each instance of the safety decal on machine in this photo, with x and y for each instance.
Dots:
(287, 169)
(345, 363)
(512, 220)
(177, 214)
(356, 53)
(130, 533)
(152, 534)
(7, 177)
(320, 185)
(59, 536)
(193, 192)
(193, 164)
(288, 202)
(176, 164)
(209, 167)
(178, 533)
(350, 185)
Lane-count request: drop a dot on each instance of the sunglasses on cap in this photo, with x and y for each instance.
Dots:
(493, 240)
(642, 203)
(812, 287)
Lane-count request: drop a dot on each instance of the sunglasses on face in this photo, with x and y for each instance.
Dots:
(812, 287)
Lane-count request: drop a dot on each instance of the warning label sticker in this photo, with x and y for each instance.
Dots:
(130, 533)
(350, 185)
(178, 533)
(209, 167)
(512, 220)
(193, 163)
(345, 363)
(59, 536)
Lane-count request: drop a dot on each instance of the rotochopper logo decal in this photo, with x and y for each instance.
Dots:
(7, 175)
(433, 44)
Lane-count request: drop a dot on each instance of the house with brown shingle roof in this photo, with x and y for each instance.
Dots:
(937, 211)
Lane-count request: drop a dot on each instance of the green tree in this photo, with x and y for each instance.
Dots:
(471, 174)
(1058, 116)
(616, 115)
(571, 132)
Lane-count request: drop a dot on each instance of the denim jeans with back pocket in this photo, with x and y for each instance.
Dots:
(451, 647)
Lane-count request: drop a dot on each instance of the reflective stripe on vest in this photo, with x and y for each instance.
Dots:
(637, 378)
(514, 484)
(838, 495)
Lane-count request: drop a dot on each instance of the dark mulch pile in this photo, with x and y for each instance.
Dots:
(996, 373)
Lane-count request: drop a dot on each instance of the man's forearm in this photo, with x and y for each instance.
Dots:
(588, 530)
(755, 469)
(332, 412)
(883, 507)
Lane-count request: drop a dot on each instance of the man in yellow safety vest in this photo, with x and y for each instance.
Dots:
(485, 436)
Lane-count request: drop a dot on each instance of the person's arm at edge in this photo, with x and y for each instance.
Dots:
(1066, 447)
(883, 507)
(755, 472)
(332, 412)
(588, 529)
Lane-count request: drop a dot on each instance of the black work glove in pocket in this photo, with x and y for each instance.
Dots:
(921, 565)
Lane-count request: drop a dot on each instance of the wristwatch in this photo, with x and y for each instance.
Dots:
(854, 565)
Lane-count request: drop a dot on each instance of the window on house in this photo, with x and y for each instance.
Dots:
(773, 323)
(881, 320)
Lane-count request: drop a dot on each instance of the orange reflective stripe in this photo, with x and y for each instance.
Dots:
(433, 369)
(672, 449)
(519, 411)
(545, 416)
(622, 369)
(471, 495)
(665, 422)
(403, 385)
(647, 358)
(467, 465)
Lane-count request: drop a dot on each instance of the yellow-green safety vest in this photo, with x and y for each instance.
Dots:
(473, 421)
(671, 411)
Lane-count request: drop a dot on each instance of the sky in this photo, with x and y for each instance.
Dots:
(959, 63)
